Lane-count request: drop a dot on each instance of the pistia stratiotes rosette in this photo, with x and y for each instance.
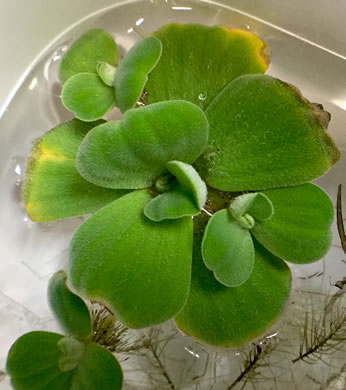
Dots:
(46, 360)
(215, 169)
(93, 84)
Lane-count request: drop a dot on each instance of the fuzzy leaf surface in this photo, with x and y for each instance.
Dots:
(106, 72)
(53, 189)
(174, 204)
(198, 61)
(84, 54)
(258, 125)
(34, 363)
(190, 181)
(87, 96)
(140, 269)
(133, 153)
(256, 204)
(98, 369)
(300, 230)
(132, 73)
(228, 249)
(232, 316)
(186, 198)
(69, 309)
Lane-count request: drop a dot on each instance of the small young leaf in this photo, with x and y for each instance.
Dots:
(140, 269)
(198, 61)
(190, 181)
(70, 310)
(257, 126)
(72, 352)
(98, 369)
(106, 72)
(87, 96)
(84, 54)
(49, 361)
(53, 189)
(132, 73)
(133, 153)
(186, 198)
(33, 363)
(300, 230)
(232, 316)
(255, 204)
(174, 204)
(228, 250)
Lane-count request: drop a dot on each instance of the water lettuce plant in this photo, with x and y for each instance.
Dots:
(92, 81)
(199, 197)
(46, 360)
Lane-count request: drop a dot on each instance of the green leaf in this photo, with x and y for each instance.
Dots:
(87, 96)
(190, 181)
(232, 316)
(84, 54)
(264, 134)
(133, 153)
(49, 361)
(53, 189)
(106, 72)
(228, 250)
(255, 204)
(198, 61)
(140, 269)
(70, 310)
(98, 369)
(300, 230)
(33, 363)
(132, 73)
(171, 205)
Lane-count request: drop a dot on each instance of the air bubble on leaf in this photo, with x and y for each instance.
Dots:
(202, 97)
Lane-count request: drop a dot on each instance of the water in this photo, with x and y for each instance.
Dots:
(31, 252)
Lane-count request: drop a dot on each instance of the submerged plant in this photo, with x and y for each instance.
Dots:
(198, 197)
(324, 331)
